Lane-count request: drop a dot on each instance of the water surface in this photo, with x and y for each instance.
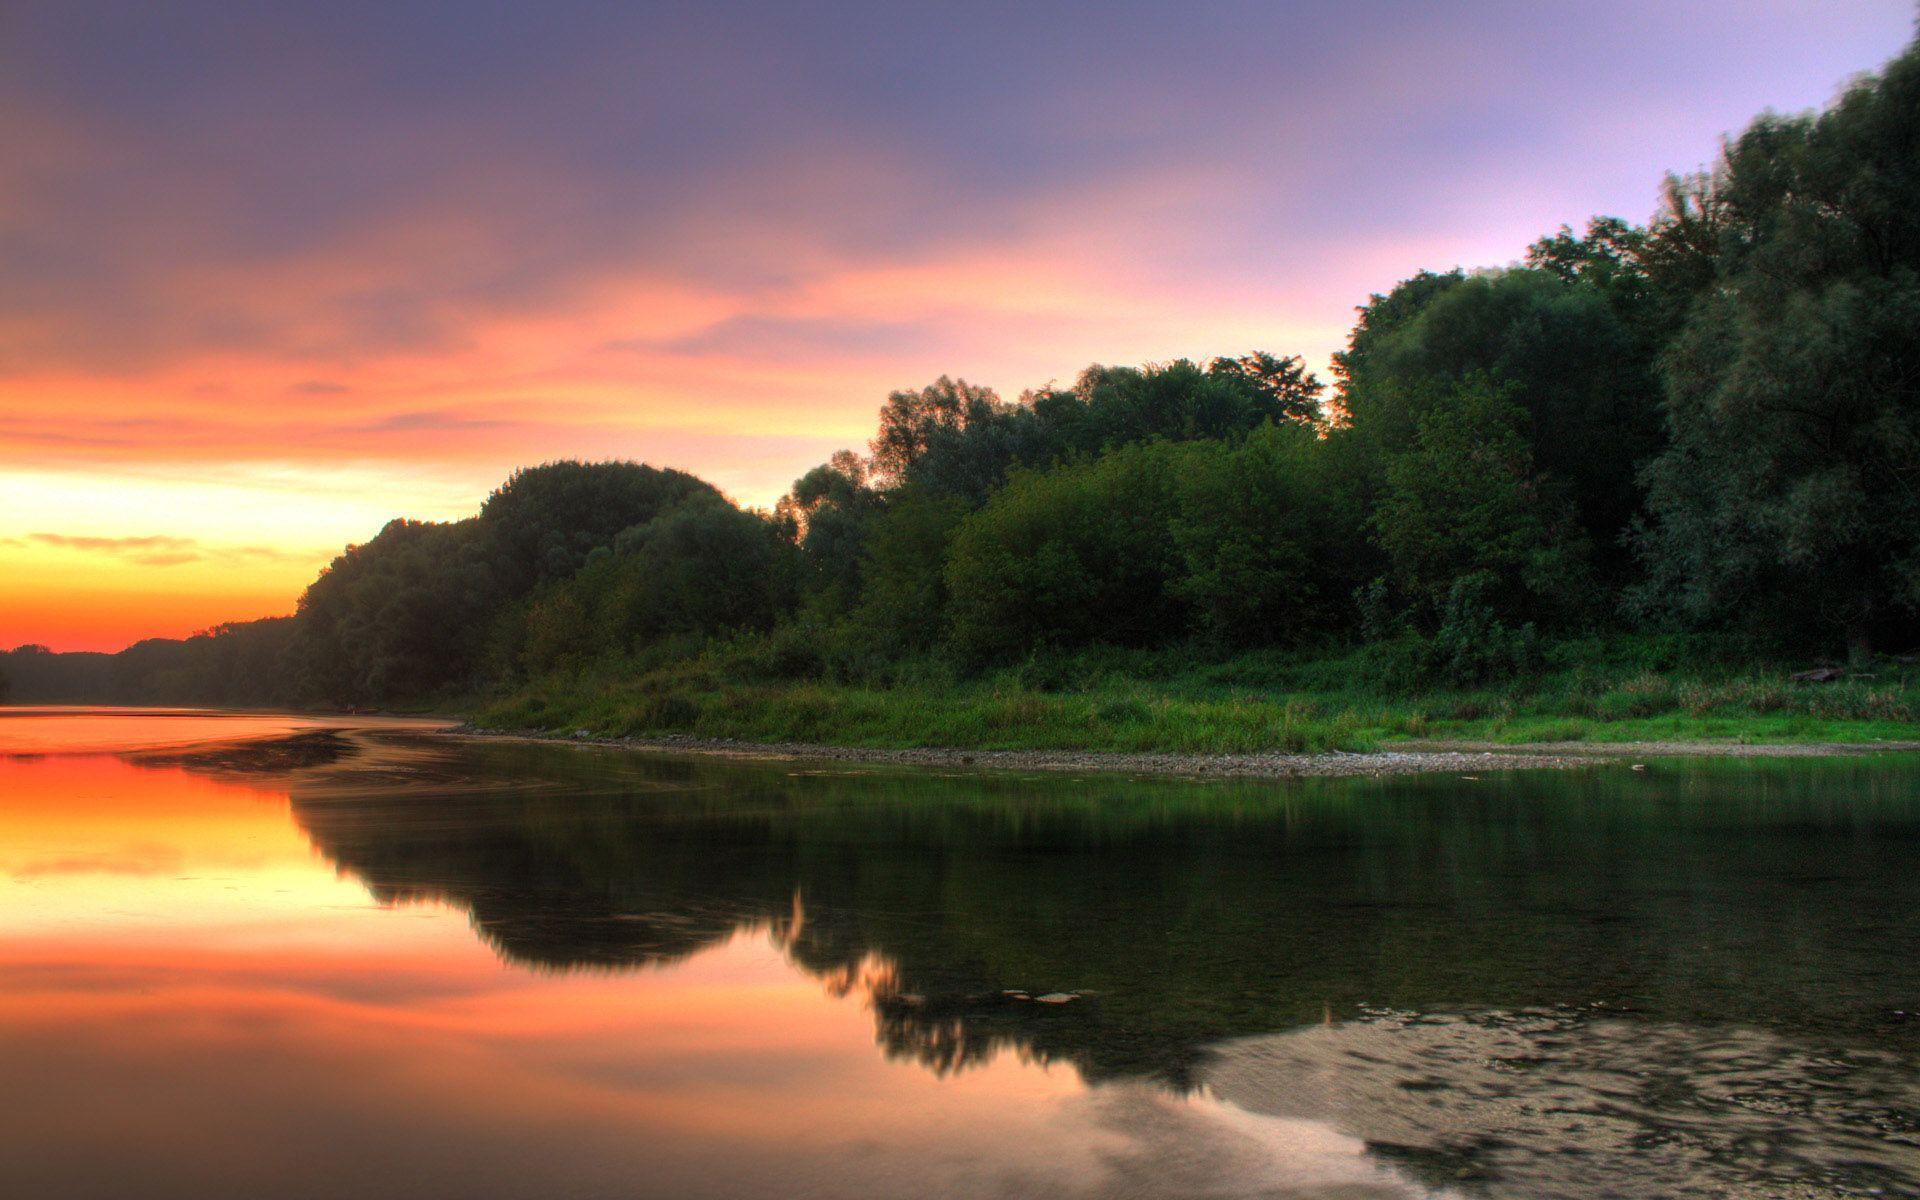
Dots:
(258, 956)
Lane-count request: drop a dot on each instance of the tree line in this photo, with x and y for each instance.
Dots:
(1707, 424)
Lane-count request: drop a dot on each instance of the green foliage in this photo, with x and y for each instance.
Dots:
(703, 568)
(401, 615)
(1373, 601)
(1236, 542)
(1567, 344)
(1079, 554)
(696, 571)
(545, 520)
(829, 511)
(1473, 646)
(951, 438)
(1791, 490)
(1465, 500)
(955, 440)
(903, 605)
(1109, 407)
(1267, 553)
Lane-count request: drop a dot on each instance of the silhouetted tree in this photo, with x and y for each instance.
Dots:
(828, 512)
(545, 520)
(1791, 489)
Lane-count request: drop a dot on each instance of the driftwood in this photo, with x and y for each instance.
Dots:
(1820, 675)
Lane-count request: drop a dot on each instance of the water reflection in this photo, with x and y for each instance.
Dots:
(1688, 981)
(1772, 894)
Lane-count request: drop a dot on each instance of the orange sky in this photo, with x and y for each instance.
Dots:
(270, 277)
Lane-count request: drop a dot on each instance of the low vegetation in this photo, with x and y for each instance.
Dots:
(1617, 690)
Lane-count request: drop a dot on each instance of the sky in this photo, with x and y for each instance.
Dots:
(271, 274)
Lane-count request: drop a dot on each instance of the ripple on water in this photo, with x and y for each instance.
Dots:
(1564, 1104)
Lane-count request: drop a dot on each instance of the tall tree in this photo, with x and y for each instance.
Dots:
(1466, 499)
(1560, 341)
(950, 437)
(545, 520)
(827, 512)
(1792, 485)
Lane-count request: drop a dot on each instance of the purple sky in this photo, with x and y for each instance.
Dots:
(387, 251)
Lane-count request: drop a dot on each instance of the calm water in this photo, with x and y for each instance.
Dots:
(365, 961)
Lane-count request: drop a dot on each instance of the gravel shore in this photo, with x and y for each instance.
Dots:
(1408, 759)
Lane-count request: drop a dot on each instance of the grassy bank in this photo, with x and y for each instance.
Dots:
(1163, 701)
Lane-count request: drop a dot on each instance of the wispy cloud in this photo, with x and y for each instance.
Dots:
(159, 550)
(435, 421)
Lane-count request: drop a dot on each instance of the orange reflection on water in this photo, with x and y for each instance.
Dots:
(54, 729)
(195, 1002)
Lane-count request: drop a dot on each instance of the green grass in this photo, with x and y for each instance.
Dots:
(1168, 701)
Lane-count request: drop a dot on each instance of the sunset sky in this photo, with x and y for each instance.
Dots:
(272, 273)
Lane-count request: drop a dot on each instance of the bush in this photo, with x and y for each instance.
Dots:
(1068, 557)
(1473, 646)
(904, 590)
(1266, 551)
(703, 568)
(1466, 500)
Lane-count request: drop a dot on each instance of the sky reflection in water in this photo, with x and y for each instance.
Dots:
(402, 969)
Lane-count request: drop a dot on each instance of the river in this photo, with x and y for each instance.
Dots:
(265, 956)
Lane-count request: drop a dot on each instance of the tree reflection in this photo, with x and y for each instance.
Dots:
(1183, 914)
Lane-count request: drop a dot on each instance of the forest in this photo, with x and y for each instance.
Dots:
(1650, 469)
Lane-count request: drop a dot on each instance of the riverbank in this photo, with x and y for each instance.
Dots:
(1256, 705)
(1412, 758)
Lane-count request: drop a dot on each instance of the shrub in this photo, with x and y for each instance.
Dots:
(1068, 557)
(1473, 646)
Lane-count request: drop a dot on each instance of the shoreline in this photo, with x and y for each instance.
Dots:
(1409, 758)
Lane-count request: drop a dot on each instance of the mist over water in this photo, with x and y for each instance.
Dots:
(297, 959)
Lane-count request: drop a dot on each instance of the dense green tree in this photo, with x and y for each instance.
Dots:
(545, 520)
(1267, 553)
(953, 438)
(1080, 554)
(1235, 540)
(1108, 407)
(962, 441)
(1557, 342)
(1609, 256)
(1377, 321)
(903, 596)
(701, 569)
(1466, 499)
(1282, 388)
(827, 513)
(402, 615)
(1792, 485)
